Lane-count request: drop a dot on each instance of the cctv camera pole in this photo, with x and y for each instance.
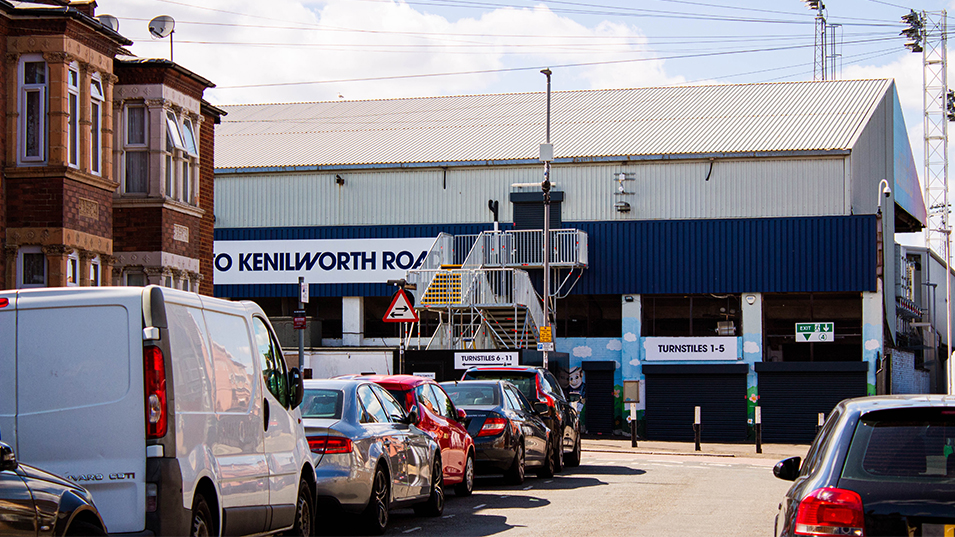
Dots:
(545, 187)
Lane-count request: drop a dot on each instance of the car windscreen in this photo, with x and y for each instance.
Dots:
(322, 403)
(905, 445)
(400, 395)
(524, 382)
(472, 395)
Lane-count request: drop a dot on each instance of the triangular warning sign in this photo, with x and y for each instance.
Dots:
(400, 310)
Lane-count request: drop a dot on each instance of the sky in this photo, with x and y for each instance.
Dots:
(277, 51)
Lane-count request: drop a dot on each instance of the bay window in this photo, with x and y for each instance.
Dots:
(96, 118)
(73, 89)
(136, 150)
(33, 106)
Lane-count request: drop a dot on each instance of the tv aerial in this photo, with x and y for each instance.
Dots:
(163, 26)
(109, 21)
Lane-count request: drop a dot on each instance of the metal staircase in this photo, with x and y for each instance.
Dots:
(480, 288)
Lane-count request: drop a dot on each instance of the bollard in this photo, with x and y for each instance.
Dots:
(759, 430)
(697, 426)
(633, 425)
(820, 421)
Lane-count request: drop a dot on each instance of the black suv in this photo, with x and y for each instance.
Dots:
(539, 385)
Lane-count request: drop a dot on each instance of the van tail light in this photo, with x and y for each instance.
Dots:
(493, 426)
(831, 511)
(329, 445)
(4, 302)
(154, 371)
(152, 497)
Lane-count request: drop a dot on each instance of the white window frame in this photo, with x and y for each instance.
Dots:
(189, 138)
(73, 137)
(97, 98)
(96, 272)
(24, 90)
(73, 270)
(21, 252)
(140, 148)
(129, 273)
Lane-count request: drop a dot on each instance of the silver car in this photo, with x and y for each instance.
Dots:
(368, 454)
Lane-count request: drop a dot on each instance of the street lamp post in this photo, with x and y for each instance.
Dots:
(547, 154)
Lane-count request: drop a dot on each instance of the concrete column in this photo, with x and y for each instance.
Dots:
(872, 340)
(11, 269)
(84, 267)
(353, 320)
(631, 349)
(752, 331)
(57, 257)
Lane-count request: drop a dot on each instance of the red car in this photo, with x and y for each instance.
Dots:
(441, 420)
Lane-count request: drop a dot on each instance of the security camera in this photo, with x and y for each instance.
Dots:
(888, 191)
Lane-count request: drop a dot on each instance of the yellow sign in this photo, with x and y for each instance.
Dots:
(545, 335)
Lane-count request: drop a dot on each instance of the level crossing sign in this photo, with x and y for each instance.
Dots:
(400, 310)
(815, 332)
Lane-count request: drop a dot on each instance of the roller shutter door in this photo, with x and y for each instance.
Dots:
(673, 391)
(793, 394)
(599, 414)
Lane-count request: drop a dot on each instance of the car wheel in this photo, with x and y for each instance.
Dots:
(304, 510)
(435, 504)
(82, 528)
(201, 525)
(466, 486)
(515, 474)
(376, 514)
(559, 454)
(547, 470)
(572, 459)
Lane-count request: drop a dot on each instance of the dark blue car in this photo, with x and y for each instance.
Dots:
(509, 435)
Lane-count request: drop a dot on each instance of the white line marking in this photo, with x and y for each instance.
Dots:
(476, 507)
(546, 482)
(448, 516)
(529, 488)
(412, 529)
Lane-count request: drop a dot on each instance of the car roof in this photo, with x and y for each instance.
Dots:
(406, 381)
(517, 368)
(863, 405)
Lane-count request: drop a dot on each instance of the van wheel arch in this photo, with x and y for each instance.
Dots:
(207, 490)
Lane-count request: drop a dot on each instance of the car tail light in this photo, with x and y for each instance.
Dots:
(154, 371)
(542, 396)
(329, 444)
(831, 511)
(4, 302)
(493, 426)
(152, 497)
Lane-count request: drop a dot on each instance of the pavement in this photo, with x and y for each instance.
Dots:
(648, 447)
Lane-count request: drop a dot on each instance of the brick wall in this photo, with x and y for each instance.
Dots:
(4, 32)
(905, 378)
(58, 202)
(207, 200)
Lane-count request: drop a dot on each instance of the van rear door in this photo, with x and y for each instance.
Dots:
(80, 394)
(8, 368)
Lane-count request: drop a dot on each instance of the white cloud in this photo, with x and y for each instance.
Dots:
(750, 347)
(583, 352)
(872, 345)
(614, 345)
(630, 336)
(635, 362)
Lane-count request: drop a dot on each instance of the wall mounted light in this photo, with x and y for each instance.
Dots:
(339, 180)
(622, 207)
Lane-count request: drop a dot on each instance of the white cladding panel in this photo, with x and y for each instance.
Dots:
(753, 188)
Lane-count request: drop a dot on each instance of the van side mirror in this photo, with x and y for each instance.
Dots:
(8, 458)
(787, 469)
(296, 388)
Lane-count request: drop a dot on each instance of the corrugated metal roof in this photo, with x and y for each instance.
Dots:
(681, 120)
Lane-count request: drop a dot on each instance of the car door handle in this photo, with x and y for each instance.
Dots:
(265, 412)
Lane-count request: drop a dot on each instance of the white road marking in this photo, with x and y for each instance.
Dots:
(412, 529)
(529, 488)
(448, 516)
(476, 507)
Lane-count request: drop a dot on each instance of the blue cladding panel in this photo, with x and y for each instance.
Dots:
(730, 256)
(821, 254)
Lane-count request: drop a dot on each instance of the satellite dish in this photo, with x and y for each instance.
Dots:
(162, 26)
(109, 21)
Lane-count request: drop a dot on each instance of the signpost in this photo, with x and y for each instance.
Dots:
(400, 311)
(822, 332)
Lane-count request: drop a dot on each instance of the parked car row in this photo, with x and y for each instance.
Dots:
(386, 441)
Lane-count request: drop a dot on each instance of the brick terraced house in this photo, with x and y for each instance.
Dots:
(107, 159)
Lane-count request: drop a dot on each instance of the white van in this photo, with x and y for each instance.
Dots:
(175, 410)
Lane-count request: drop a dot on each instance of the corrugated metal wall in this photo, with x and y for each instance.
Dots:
(741, 188)
(653, 257)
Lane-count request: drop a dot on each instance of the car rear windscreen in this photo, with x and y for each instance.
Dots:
(908, 445)
(472, 395)
(322, 403)
(400, 395)
(524, 382)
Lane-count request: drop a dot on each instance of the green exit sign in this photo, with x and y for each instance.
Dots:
(815, 332)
